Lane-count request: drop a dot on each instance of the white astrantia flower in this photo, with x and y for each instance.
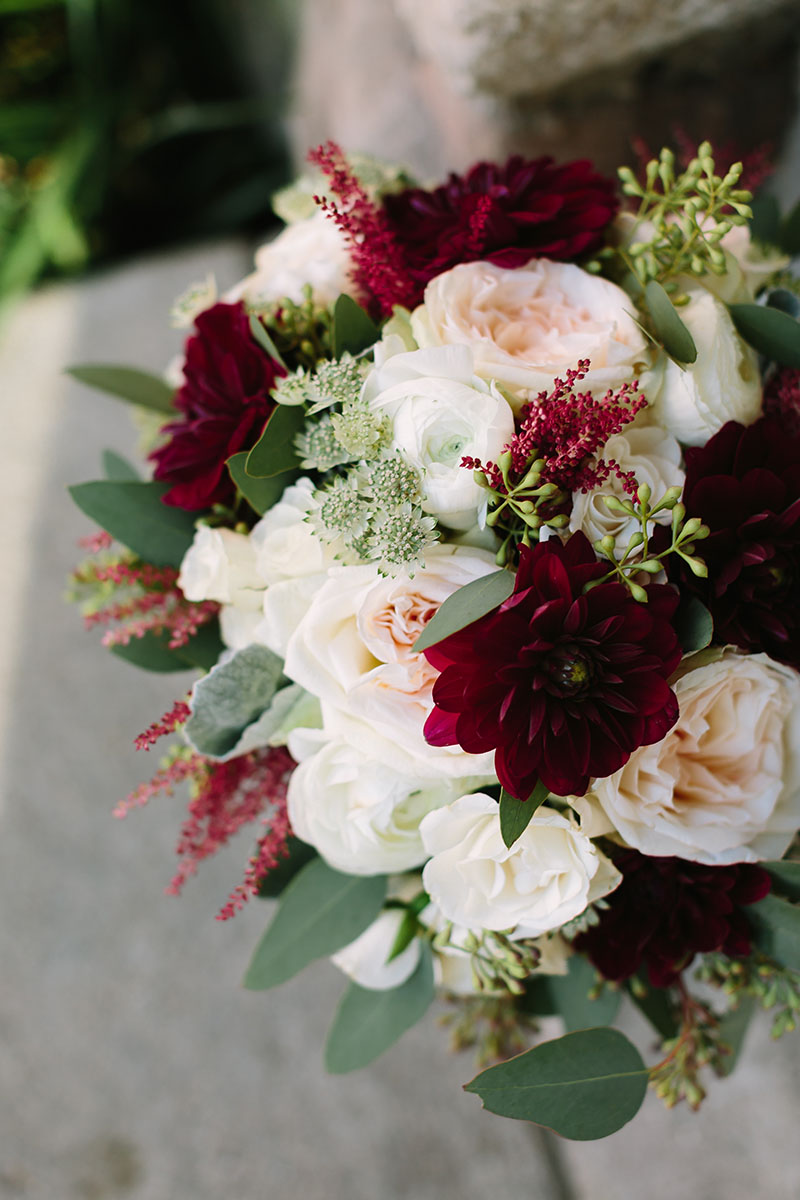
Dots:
(440, 412)
(527, 326)
(353, 649)
(547, 878)
(654, 457)
(312, 251)
(360, 814)
(723, 384)
(365, 960)
(723, 786)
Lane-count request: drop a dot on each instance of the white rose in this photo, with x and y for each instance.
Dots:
(723, 786)
(529, 325)
(361, 815)
(440, 413)
(365, 959)
(723, 384)
(654, 457)
(312, 251)
(220, 565)
(548, 877)
(353, 649)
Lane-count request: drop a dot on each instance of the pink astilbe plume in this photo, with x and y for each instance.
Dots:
(173, 719)
(568, 429)
(379, 269)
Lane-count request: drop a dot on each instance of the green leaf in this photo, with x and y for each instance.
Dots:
(656, 1004)
(353, 330)
(127, 383)
(261, 335)
(693, 624)
(776, 929)
(368, 1022)
(134, 514)
(570, 996)
(280, 876)
(771, 332)
(118, 469)
(260, 494)
(515, 814)
(470, 602)
(790, 232)
(406, 933)
(785, 877)
(232, 698)
(765, 225)
(585, 1085)
(152, 652)
(274, 453)
(320, 912)
(536, 999)
(732, 1029)
(673, 334)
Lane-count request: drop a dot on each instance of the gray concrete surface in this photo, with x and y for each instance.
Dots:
(131, 1062)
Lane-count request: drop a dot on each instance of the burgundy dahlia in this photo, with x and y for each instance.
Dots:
(225, 401)
(502, 214)
(745, 484)
(562, 685)
(666, 910)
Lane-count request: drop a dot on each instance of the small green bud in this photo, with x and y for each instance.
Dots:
(696, 566)
(638, 593)
(651, 565)
(644, 493)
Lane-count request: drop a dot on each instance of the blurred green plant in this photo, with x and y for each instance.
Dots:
(127, 124)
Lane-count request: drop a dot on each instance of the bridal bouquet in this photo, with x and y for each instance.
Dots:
(478, 508)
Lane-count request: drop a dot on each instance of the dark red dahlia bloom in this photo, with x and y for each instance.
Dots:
(562, 686)
(666, 910)
(502, 214)
(745, 484)
(225, 401)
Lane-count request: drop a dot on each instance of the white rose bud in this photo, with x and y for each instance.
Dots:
(366, 959)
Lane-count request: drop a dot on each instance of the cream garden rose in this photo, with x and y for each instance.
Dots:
(440, 412)
(723, 786)
(547, 878)
(529, 325)
(723, 384)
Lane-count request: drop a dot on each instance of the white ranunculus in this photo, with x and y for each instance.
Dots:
(723, 786)
(440, 413)
(723, 384)
(309, 251)
(654, 457)
(361, 815)
(365, 959)
(220, 565)
(547, 878)
(529, 325)
(353, 649)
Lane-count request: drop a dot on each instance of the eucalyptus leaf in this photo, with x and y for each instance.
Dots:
(228, 701)
(407, 931)
(585, 1085)
(785, 301)
(320, 912)
(127, 383)
(152, 652)
(261, 335)
(260, 494)
(281, 875)
(134, 514)
(117, 468)
(785, 878)
(776, 929)
(466, 605)
(368, 1022)
(353, 330)
(693, 624)
(274, 454)
(515, 815)
(765, 225)
(732, 1029)
(771, 332)
(790, 232)
(656, 1004)
(673, 334)
(570, 996)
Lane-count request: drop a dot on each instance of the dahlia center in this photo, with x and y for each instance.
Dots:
(570, 670)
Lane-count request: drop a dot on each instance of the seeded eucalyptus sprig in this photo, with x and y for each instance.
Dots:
(519, 511)
(302, 333)
(639, 555)
(690, 213)
(772, 985)
(498, 964)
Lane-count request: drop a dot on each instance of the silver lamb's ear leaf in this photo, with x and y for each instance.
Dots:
(235, 694)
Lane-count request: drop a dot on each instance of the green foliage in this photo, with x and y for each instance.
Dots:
(368, 1022)
(353, 330)
(669, 328)
(127, 383)
(134, 515)
(658, 1005)
(260, 494)
(580, 998)
(771, 332)
(468, 604)
(320, 912)
(765, 225)
(789, 239)
(231, 698)
(776, 929)
(515, 814)
(279, 877)
(585, 1085)
(755, 980)
(118, 468)
(274, 453)
(153, 653)
(785, 878)
(498, 962)
(693, 624)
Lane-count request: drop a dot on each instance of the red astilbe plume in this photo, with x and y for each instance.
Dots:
(379, 268)
(173, 719)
